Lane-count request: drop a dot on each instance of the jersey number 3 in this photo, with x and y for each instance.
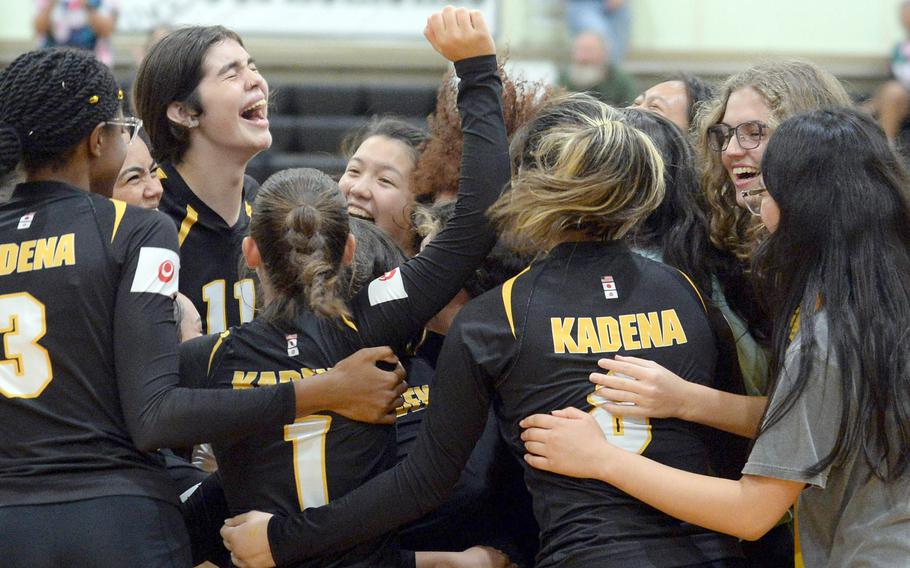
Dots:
(25, 369)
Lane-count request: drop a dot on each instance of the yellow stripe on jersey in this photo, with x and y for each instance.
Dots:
(161, 174)
(694, 287)
(507, 298)
(349, 323)
(119, 210)
(191, 217)
(215, 349)
(249, 209)
(797, 550)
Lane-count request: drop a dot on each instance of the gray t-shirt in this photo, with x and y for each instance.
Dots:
(846, 517)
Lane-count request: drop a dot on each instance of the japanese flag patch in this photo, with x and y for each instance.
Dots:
(387, 287)
(609, 287)
(157, 271)
(293, 350)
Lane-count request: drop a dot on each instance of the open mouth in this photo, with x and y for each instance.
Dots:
(256, 112)
(360, 214)
(745, 174)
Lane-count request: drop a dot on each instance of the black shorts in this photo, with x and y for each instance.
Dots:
(103, 532)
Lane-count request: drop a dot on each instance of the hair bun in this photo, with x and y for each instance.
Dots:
(10, 148)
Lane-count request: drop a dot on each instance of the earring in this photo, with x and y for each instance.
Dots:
(193, 123)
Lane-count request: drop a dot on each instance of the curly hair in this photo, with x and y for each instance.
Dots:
(438, 167)
(788, 87)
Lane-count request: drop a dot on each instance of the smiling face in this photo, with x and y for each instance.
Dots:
(744, 166)
(138, 182)
(668, 99)
(376, 184)
(233, 96)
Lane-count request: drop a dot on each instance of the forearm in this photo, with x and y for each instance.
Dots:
(737, 414)
(42, 20)
(745, 508)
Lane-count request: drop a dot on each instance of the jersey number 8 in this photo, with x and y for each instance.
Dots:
(630, 434)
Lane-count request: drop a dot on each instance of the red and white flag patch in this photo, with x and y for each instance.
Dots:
(293, 350)
(157, 271)
(387, 287)
(609, 287)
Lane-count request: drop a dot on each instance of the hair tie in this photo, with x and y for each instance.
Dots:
(119, 94)
(93, 100)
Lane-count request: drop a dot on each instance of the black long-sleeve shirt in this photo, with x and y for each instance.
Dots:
(323, 457)
(528, 347)
(89, 371)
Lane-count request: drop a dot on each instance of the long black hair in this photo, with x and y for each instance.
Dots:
(50, 99)
(842, 249)
(678, 228)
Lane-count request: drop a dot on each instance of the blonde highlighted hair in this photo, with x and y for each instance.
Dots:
(788, 87)
(582, 174)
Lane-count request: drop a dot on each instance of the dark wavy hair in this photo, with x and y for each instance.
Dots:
(678, 228)
(841, 250)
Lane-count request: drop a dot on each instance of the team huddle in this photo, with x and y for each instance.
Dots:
(617, 336)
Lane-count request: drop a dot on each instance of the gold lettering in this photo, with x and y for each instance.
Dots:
(608, 330)
(672, 328)
(26, 251)
(44, 253)
(8, 255)
(587, 337)
(66, 250)
(267, 378)
(242, 380)
(288, 376)
(562, 335)
(628, 331)
(649, 330)
(423, 393)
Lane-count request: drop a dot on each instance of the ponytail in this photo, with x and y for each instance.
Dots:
(300, 224)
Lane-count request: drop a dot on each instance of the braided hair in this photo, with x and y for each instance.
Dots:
(300, 224)
(51, 99)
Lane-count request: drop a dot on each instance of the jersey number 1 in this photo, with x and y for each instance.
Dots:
(25, 370)
(214, 294)
(308, 435)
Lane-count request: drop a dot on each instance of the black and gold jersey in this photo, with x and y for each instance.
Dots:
(88, 372)
(323, 457)
(528, 347)
(210, 253)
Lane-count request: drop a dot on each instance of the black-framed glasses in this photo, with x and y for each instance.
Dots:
(129, 126)
(748, 134)
(753, 199)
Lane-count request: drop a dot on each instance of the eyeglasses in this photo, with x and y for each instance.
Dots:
(129, 127)
(748, 134)
(753, 199)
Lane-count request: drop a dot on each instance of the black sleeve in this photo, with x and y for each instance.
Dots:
(394, 308)
(158, 413)
(451, 427)
(194, 360)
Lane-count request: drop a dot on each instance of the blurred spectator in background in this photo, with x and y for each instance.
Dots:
(590, 70)
(676, 99)
(891, 102)
(611, 19)
(87, 24)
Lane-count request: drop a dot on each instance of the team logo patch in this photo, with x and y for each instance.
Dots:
(387, 287)
(293, 350)
(157, 271)
(26, 220)
(609, 287)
